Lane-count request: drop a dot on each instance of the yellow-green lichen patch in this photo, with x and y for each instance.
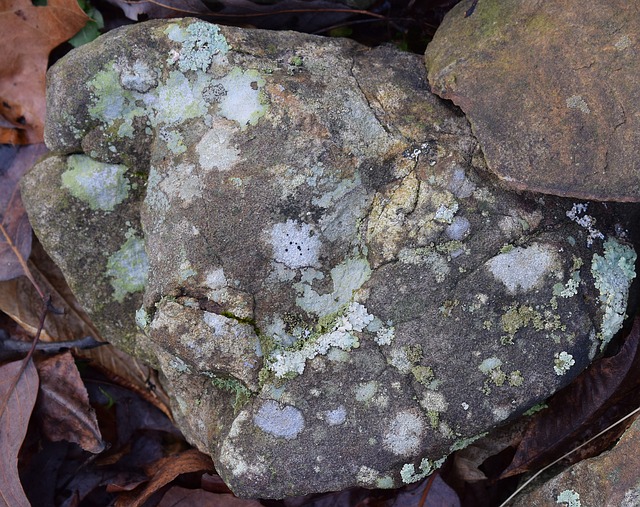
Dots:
(491, 368)
(612, 274)
(241, 394)
(517, 317)
(128, 269)
(101, 186)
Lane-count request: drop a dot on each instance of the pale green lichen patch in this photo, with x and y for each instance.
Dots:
(347, 277)
(612, 276)
(569, 497)
(562, 362)
(170, 103)
(128, 269)
(409, 474)
(202, 43)
(101, 186)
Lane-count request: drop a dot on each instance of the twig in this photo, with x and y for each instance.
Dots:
(26, 360)
(10, 348)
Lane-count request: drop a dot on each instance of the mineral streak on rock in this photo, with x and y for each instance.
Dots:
(335, 293)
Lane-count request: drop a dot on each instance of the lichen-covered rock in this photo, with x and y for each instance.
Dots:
(334, 295)
(550, 89)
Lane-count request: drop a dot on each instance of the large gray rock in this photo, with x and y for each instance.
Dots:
(302, 238)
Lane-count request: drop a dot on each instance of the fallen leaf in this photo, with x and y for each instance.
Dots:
(64, 407)
(13, 428)
(183, 497)
(163, 472)
(22, 303)
(595, 399)
(15, 231)
(29, 33)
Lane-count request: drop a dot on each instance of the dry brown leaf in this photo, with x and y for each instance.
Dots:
(182, 497)
(64, 409)
(164, 471)
(21, 302)
(13, 428)
(29, 33)
(15, 231)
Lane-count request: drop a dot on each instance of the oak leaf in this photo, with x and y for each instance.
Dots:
(29, 33)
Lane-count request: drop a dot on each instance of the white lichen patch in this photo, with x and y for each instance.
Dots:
(101, 186)
(563, 362)
(295, 244)
(202, 44)
(523, 268)
(280, 421)
(365, 391)
(216, 149)
(612, 276)
(136, 76)
(183, 183)
(577, 102)
(446, 213)
(434, 261)
(244, 101)
(578, 214)
(434, 402)
(233, 458)
(405, 433)
(458, 229)
(342, 336)
(128, 268)
(336, 416)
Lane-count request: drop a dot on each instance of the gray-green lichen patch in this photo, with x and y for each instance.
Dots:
(101, 186)
(612, 275)
(128, 268)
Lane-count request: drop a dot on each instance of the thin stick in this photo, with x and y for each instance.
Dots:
(27, 358)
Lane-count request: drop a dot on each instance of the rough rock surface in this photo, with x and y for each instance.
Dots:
(295, 231)
(550, 89)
